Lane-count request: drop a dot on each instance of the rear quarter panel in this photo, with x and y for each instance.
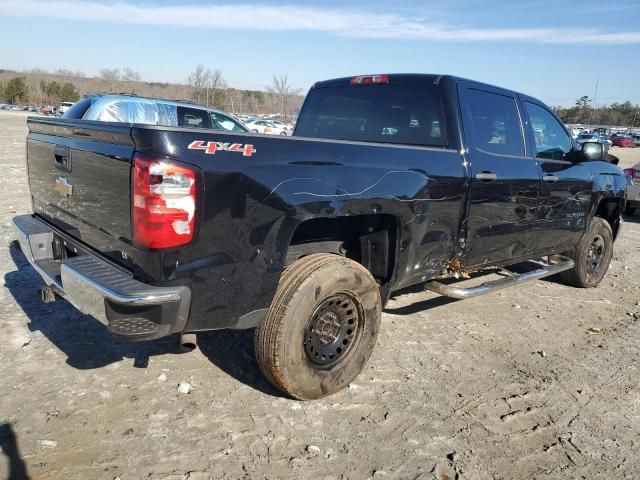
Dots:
(253, 204)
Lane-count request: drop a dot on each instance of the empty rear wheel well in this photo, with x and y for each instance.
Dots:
(368, 239)
(610, 209)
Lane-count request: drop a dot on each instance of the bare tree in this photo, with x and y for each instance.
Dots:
(214, 82)
(110, 77)
(205, 84)
(66, 75)
(235, 100)
(36, 93)
(198, 82)
(284, 91)
(130, 78)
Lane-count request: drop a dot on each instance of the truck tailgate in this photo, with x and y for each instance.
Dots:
(80, 179)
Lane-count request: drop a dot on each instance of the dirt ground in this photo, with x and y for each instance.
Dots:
(538, 381)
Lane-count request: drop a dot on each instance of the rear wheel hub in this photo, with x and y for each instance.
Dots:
(333, 330)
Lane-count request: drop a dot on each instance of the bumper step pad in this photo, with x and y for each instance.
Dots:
(130, 328)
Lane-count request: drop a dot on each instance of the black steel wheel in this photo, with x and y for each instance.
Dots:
(591, 256)
(334, 329)
(321, 327)
(595, 254)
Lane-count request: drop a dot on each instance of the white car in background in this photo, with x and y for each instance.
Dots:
(265, 126)
(285, 126)
(64, 106)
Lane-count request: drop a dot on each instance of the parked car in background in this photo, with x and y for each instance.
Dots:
(266, 127)
(575, 131)
(594, 137)
(288, 128)
(636, 138)
(64, 106)
(624, 142)
(633, 189)
(152, 111)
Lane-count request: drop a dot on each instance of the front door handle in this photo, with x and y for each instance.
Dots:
(550, 179)
(486, 176)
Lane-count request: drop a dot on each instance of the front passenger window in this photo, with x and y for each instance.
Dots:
(552, 141)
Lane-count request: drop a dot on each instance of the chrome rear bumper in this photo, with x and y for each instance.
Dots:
(129, 308)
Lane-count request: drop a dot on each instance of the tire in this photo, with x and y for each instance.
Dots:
(283, 133)
(592, 256)
(254, 131)
(321, 327)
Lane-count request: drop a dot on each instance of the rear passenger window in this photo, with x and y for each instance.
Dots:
(193, 118)
(496, 123)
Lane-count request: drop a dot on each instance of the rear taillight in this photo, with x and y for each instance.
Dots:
(632, 173)
(164, 203)
(369, 79)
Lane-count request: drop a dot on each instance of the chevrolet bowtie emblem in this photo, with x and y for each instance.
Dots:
(64, 187)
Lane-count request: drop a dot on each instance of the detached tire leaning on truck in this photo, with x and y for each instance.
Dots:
(591, 256)
(321, 327)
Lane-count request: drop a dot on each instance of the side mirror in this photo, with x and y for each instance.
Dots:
(593, 150)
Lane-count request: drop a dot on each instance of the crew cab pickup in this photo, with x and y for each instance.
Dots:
(388, 181)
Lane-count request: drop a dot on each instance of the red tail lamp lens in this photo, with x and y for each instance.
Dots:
(164, 203)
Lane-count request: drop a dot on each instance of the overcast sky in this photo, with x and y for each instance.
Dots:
(551, 49)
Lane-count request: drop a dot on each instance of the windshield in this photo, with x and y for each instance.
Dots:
(401, 114)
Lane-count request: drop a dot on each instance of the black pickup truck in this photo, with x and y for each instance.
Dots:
(389, 181)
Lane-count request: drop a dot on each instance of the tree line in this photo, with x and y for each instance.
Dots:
(209, 88)
(616, 114)
(204, 86)
(16, 91)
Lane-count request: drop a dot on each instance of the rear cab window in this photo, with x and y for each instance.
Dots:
(407, 114)
(495, 123)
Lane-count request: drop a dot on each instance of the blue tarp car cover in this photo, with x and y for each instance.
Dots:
(132, 110)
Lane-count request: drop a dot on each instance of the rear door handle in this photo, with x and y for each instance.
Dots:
(486, 176)
(62, 158)
(550, 179)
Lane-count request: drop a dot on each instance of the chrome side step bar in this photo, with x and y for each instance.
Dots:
(561, 264)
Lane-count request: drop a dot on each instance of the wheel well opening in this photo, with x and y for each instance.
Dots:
(610, 210)
(368, 239)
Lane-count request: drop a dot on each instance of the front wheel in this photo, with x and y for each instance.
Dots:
(592, 256)
(321, 327)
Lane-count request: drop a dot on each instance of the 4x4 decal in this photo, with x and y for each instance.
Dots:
(210, 148)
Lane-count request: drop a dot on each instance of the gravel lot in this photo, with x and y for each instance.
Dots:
(538, 381)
